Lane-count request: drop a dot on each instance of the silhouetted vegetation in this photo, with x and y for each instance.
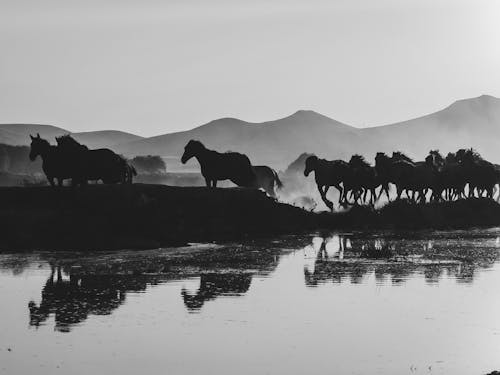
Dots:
(149, 164)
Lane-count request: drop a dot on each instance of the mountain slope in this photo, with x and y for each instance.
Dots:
(18, 134)
(104, 138)
(471, 122)
(273, 142)
(466, 123)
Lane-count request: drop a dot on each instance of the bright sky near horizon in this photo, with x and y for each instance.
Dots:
(154, 66)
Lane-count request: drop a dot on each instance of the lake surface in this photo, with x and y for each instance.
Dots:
(343, 303)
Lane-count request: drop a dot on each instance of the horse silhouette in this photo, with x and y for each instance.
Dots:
(363, 179)
(398, 172)
(214, 285)
(482, 175)
(326, 174)
(216, 166)
(267, 179)
(93, 165)
(56, 167)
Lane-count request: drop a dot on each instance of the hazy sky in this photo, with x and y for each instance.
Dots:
(156, 66)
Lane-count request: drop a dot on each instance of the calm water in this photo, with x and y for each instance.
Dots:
(381, 303)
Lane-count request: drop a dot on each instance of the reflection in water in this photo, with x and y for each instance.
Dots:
(73, 300)
(214, 285)
(346, 257)
(286, 297)
(76, 288)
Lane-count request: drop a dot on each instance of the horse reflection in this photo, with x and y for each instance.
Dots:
(73, 299)
(340, 258)
(215, 285)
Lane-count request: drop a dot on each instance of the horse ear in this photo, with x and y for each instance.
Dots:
(38, 135)
(32, 137)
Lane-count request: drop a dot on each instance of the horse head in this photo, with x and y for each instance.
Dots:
(38, 146)
(382, 159)
(434, 159)
(311, 164)
(193, 148)
(358, 161)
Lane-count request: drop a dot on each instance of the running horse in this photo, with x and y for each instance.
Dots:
(328, 173)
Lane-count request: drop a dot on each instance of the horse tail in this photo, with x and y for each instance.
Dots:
(133, 171)
(277, 180)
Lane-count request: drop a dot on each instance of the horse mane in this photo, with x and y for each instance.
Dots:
(68, 141)
(44, 141)
(358, 161)
(401, 156)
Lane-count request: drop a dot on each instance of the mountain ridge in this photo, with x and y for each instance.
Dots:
(472, 122)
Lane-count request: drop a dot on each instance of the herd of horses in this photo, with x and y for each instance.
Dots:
(458, 175)
(437, 178)
(70, 160)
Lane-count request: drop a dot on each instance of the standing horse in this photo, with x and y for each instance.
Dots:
(328, 173)
(216, 166)
(54, 165)
(267, 179)
(92, 165)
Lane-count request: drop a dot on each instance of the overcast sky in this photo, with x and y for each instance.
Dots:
(157, 66)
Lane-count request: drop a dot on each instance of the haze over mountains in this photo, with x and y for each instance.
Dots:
(471, 122)
(18, 135)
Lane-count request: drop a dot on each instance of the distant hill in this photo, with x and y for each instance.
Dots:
(273, 142)
(471, 122)
(18, 135)
(104, 138)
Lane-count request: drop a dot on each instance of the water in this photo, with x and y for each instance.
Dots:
(372, 303)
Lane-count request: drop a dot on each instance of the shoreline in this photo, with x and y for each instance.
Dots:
(145, 216)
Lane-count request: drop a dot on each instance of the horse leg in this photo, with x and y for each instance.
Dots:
(214, 183)
(322, 192)
(60, 182)
(51, 181)
(328, 203)
(208, 182)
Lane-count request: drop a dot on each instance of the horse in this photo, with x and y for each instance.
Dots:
(363, 179)
(482, 175)
(54, 165)
(398, 170)
(267, 179)
(100, 164)
(328, 173)
(216, 166)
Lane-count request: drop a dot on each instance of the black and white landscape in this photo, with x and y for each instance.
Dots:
(236, 187)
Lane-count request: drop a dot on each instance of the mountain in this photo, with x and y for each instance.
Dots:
(18, 135)
(104, 138)
(467, 123)
(473, 122)
(273, 142)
